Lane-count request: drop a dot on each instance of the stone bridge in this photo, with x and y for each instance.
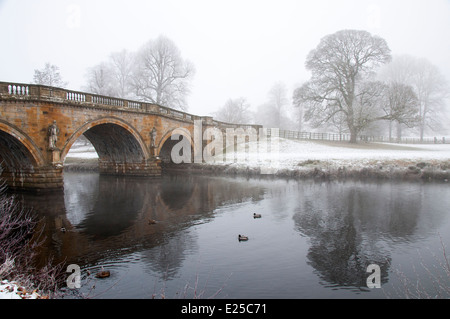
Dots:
(39, 124)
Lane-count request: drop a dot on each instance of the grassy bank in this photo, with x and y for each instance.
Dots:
(436, 170)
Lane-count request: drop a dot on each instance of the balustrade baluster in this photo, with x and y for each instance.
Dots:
(17, 89)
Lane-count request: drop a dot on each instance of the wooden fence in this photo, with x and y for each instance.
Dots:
(296, 135)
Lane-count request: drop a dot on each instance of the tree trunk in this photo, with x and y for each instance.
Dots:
(353, 135)
(399, 132)
(390, 131)
(422, 129)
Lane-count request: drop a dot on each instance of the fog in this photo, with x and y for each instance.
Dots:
(239, 48)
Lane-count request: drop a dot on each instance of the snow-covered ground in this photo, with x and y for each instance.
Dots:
(82, 151)
(292, 151)
(306, 158)
(12, 290)
(292, 154)
(307, 155)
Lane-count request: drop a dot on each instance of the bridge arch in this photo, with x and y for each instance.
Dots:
(166, 143)
(114, 140)
(17, 149)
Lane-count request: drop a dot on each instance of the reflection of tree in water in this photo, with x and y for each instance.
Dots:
(176, 190)
(343, 223)
(167, 257)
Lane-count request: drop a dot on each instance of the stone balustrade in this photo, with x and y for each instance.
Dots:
(42, 92)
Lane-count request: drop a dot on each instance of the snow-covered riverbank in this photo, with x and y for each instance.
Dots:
(319, 159)
(13, 290)
(300, 158)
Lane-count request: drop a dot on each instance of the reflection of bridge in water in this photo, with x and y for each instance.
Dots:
(110, 213)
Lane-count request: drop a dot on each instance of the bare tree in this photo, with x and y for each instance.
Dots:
(432, 90)
(429, 85)
(49, 75)
(100, 80)
(113, 77)
(161, 75)
(402, 107)
(266, 115)
(340, 65)
(235, 111)
(122, 73)
(278, 101)
(276, 111)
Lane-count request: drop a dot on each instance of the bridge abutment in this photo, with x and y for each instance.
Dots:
(35, 179)
(151, 168)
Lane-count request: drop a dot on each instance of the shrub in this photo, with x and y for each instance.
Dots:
(19, 240)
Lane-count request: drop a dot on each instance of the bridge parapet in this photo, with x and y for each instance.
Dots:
(41, 92)
(24, 91)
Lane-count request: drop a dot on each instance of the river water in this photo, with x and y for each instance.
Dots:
(315, 239)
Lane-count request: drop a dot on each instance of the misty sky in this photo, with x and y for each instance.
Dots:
(240, 48)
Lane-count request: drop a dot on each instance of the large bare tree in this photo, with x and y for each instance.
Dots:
(340, 66)
(161, 75)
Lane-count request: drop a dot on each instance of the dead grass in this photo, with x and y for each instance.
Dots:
(433, 284)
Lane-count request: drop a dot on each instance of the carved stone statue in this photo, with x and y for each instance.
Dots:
(53, 132)
(153, 136)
